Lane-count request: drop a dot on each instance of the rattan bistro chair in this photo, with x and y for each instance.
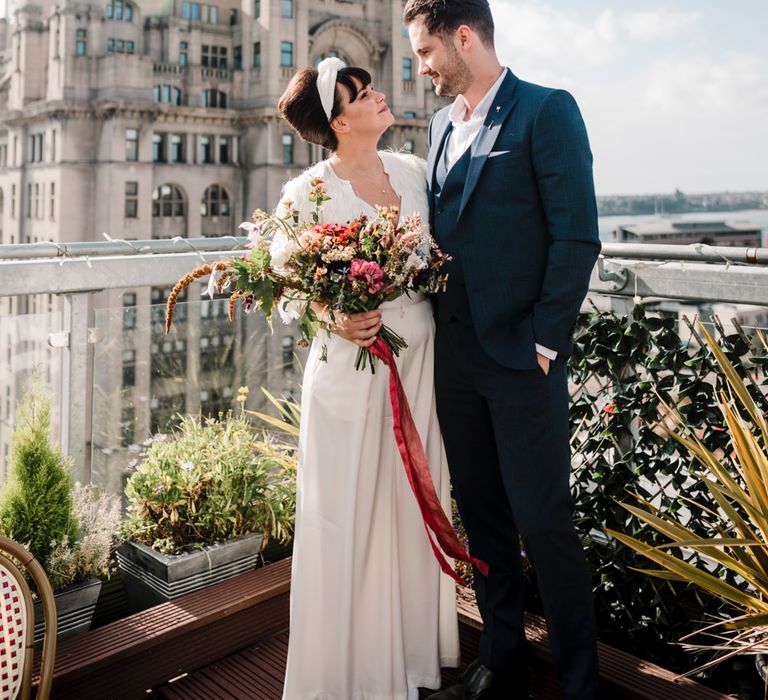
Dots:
(17, 625)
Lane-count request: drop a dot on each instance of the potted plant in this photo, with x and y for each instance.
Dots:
(734, 564)
(201, 504)
(68, 531)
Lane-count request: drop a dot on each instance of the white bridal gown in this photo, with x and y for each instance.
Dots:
(372, 615)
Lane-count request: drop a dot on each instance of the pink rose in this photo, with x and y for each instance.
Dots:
(367, 272)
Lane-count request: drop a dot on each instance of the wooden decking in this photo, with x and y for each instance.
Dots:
(229, 642)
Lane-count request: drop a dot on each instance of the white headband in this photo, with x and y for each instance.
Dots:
(327, 71)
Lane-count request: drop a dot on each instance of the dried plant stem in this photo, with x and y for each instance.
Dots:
(183, 283)
(232, 299)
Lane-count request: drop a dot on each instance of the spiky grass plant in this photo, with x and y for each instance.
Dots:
(738, 485)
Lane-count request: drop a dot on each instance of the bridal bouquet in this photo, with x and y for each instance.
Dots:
(346, 268)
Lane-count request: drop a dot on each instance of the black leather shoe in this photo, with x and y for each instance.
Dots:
(481, 683)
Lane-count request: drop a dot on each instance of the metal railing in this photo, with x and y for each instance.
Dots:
(75, 271)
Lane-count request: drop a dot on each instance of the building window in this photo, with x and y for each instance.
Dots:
(120, 46)
(214, 56)
(53, 146)
(213, 14)
(37, 201)
(286, 54)
(237, 58)
(409, 115)
(129, 310)
(35, 148)
(215, 202)
(120, 10)
(29, 200)
(52, 202)
(166, 94)
(167, 202)
(256, 9)
(233, 18)
(224, 155)
(286, 8)
(177, 148)
(183, 56)
(206, 150)
(257, 54)
(131, 144)
(408, 69)
(13, 201)
(214, 98)
(158, 148)
(81, 42)
(131, 200)
(409, 146)
(287, 149)
(128, 425)
(129, 368)
(191, 10)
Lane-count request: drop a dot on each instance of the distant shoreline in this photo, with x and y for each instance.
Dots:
(680, 203)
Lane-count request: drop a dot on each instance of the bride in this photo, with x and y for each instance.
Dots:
(372, 615)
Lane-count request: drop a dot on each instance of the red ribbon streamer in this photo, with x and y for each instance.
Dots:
(419, 476)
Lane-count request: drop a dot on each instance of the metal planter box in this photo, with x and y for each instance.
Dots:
(74, 607)
(151, 578)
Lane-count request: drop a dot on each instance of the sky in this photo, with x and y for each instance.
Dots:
(674, 94)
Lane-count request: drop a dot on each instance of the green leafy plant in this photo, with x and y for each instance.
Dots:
(209, 481)
(36, 508)
(623, 361)
(737, 480)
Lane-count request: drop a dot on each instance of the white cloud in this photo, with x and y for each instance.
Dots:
(659, 24)
(699, 85)
(534, 32)
(659, 115)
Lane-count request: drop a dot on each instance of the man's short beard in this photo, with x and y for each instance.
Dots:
(455, 77)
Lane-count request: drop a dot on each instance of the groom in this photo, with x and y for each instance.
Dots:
(512, 200)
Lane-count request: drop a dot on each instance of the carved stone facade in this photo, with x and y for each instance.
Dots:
(158, 119)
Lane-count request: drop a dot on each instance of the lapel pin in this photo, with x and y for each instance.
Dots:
(498, 108)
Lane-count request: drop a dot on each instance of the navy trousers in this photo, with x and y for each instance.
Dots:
(507, 440)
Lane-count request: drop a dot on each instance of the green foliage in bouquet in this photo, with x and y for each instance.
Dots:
(36, 508)
(208, 482)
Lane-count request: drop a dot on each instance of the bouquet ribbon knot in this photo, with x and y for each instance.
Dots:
(436, 522)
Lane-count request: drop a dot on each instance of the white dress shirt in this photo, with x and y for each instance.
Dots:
(464, 133)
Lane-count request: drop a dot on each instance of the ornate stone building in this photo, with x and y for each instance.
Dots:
(158, 118)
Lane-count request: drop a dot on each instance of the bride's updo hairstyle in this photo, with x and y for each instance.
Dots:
(301, 106)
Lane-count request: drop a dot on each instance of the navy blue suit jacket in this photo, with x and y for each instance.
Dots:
(527, 220)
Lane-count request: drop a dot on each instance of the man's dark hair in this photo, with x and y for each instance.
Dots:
(301, 106)
(446, 16)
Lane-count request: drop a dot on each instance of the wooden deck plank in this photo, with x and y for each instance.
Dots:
(231, 642)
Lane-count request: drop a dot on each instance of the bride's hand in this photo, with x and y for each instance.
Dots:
(360, 328)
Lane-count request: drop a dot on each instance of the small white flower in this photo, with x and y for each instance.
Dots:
(281, 249)
(291, 310)
(187, 466)
(253, 230)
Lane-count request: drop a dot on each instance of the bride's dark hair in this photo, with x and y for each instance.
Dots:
(300, 104)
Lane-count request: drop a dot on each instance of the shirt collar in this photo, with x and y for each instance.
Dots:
(459, 107)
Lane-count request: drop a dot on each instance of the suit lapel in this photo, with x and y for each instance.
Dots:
(483, 144)
(438, 144)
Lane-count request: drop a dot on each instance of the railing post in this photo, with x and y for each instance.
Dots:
(75, 390)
